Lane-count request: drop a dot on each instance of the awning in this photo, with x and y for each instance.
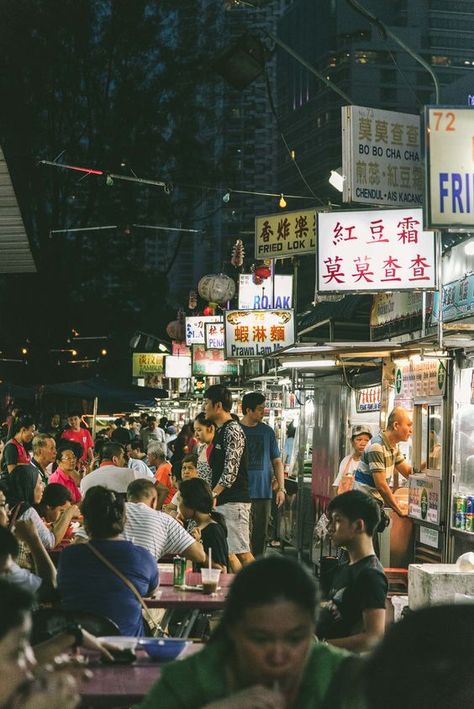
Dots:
(16, 256)
(106, 392)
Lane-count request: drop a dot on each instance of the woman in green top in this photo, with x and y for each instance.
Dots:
(264, 652)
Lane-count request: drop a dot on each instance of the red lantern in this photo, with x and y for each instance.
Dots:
(263, 272)
(209, 309)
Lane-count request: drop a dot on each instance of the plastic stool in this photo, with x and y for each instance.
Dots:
(397, 579)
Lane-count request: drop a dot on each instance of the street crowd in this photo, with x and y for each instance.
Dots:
(84, 523)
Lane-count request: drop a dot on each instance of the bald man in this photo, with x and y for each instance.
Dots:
(381, 457)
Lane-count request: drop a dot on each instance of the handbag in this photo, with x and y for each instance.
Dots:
(155, 628)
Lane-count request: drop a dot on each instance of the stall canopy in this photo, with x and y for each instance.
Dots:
(106, 392)
(17, 393)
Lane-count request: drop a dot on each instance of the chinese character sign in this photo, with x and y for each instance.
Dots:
(212, 363)
(144, 363)
(374, 251)
(195, 334)
(214, 335)
(381, 157)
(450, 160)
(285, 234)
(257, 333)
(276, 292)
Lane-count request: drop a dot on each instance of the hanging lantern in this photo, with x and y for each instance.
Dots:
(176, 329)
(210, 309)
(216, 288)
(192, 300)
(257, 279)
(263, 272)
(238, 254)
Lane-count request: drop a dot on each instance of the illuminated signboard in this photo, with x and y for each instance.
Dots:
(212, 363)
(285, 234)
(195, 334)
(214, 335)
(177, 367)
(257, 333)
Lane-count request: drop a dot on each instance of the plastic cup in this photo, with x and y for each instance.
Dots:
(210, 579)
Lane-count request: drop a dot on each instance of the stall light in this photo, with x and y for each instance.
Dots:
(336, 179)
(162, 347)
(103, 352)
(308, 364)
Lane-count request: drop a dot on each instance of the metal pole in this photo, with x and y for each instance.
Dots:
(300, 475)
(439, 265)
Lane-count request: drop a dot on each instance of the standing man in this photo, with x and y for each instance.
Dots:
(228, 461)
(264, 462)
(44, 453)
(80, 435)
(381, 457)
(153, 434)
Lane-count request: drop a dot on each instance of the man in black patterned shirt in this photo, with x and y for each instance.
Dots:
(228, 461)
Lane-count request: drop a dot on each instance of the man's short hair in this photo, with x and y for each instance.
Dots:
(136, 444)
(111, 450)
(140, 489)
(251, 400)
(357, 505)
(150, 419)
(190, 458)
(219, 393)
(40, 441)
(157, 450)
(75, 413)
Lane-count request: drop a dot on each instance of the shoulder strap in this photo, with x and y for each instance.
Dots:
(125, 580)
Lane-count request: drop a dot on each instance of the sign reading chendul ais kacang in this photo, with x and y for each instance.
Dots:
(374, 251)
(368, 399)
(271, 294)
(195, 334)
(424, 498)
(381, 157)
(212, 363)
(450, 166)
(257, 333)
(285, 234)
(214, 335)
(144, 363)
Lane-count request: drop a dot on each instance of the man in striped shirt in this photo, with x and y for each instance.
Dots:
(154, 530)
(381, 457)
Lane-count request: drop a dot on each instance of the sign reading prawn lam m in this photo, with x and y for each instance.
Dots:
(257, 333)
(285, 234)
(370, 251)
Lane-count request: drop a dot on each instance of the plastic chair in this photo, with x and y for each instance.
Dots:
(48, 622)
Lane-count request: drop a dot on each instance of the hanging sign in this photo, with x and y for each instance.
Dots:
(424, 498)
(285, 234)
(368, 399)
(423, 378)
(214, 335)
(144, 363)
(212, 363)
(381, 157)
(195, 334)
(266, 296)
(177, 367)
(373, 251)
(257, 333)
(450, 166)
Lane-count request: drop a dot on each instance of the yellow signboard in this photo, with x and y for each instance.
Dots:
(144, 363)
(285, 234)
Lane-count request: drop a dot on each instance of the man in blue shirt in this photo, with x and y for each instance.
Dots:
(264, 463)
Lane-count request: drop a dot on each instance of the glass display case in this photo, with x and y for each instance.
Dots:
(462, 509)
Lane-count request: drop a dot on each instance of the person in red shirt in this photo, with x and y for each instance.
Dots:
(163, 473)
(66, 473)
(80, 435)
(15, 452)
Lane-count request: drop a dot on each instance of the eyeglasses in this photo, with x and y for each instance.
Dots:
(69, 457)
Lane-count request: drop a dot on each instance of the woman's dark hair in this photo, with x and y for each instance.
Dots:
(268, 580)
(55, 495)
(426, 659)
(21, 487)
(21, 421)
(74, 446)
(104, 512)
(15, 604)
(197, 495)
(201, 419)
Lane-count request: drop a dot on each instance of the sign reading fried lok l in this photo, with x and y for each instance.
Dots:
(285, 234)
(257, 333)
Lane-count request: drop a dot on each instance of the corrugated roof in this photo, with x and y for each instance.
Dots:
(15, 250)
(349, 308)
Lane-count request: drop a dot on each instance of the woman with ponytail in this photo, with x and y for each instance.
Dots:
(87, 573)
(197, 505)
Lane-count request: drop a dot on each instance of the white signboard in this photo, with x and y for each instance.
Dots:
(285, 234)
(214, 335)
(374, 251)
(381, 157)
(195, 334)
(257, 333)
(177, 367)
(265, 296)
(450, 166)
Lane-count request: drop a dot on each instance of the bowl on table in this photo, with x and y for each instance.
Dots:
(162, 649)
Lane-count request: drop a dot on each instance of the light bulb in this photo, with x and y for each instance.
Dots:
(282, 202)
(226, 198)
(74, 353)
(103, 352)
